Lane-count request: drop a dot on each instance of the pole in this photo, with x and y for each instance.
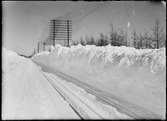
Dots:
(44, 46)
(53, 32)
(38, 48)
(68, 33)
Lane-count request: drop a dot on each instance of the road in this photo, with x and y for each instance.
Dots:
(122, 106)
(82, 109)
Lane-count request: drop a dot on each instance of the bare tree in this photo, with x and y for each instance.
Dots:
(157, 32)
(117, 38)
(104, 39)
(141, 38)
(125, 38)
(100, 40)
(146, 40)
(82, 41)
(87, 39)
(92, 41)
(111, 33)
(120, 37)
(134, 37)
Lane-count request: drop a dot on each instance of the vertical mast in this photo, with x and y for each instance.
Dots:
(68, 33)
(53, 32)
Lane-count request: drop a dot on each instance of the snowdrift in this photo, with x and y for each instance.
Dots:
(135, 75)
(123, 56)
(26, 94)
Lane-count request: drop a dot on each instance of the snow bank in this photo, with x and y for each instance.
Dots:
(42, 53)
(26, 94)
(116, 56)
(135, 75)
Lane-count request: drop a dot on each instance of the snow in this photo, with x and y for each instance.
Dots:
(26, 93)
(42, 53)
(29, 95)
(135, 75)
(92, 107)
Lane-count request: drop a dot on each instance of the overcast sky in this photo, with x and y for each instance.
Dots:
(25, 23)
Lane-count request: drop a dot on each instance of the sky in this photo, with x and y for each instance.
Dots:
(26, 22)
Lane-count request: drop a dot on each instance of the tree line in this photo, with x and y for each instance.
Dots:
(155, 38)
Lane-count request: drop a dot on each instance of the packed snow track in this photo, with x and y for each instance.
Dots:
(81, 105)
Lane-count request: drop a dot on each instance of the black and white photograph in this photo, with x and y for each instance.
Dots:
(83, 60)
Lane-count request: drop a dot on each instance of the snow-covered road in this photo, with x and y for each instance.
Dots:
(83, 104)
(122, 106)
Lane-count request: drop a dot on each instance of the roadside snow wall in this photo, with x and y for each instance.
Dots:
(27, 94)
(135, 75)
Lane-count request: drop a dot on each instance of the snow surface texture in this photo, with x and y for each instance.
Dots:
(84, 102)
(26, 94)
(135, 75)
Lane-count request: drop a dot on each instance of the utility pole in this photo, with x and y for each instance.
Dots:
(44, 46)
(34, 51)
(54, 32)
(38, 47)
(68, 44)
(128, 35)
